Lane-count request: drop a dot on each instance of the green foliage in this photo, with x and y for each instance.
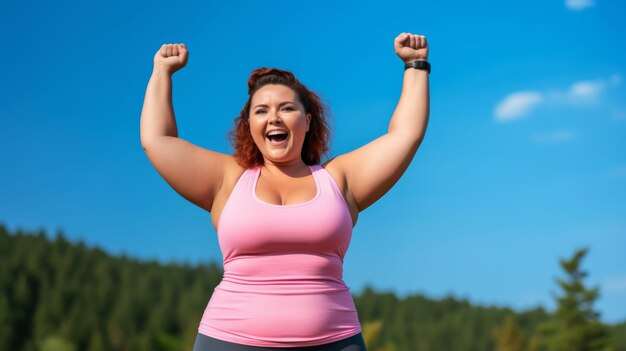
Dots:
(575, 325)
(57, 295)
(618, 336)
(508, 337)
(420, 323)
(57, 343)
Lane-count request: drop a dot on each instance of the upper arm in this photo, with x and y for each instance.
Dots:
(192, 171)
(371, 170)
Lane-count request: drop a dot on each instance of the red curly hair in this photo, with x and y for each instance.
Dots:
(316, 141)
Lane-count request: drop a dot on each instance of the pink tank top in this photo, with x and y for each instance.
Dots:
(283, 269)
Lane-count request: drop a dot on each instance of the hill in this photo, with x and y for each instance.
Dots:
(60, 295)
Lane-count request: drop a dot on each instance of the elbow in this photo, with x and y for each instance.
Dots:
(412, 138)
(146, 142)
(416, 142)
(410, 131)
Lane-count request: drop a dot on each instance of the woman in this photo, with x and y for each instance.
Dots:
(284, 221)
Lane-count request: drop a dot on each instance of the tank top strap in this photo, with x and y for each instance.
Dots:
(240, 192)
(246, 181)
(327, 182)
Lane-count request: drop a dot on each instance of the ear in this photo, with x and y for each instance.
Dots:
(308, 121)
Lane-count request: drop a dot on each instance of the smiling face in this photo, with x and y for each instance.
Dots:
(278, 123)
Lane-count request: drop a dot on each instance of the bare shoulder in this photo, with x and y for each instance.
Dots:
(194, 172)
(332, 166)
(232, 173)
(335, 168)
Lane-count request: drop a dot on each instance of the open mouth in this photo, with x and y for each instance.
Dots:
(277, 137)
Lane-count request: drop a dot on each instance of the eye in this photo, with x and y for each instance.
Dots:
(260, 111)
(289, 108)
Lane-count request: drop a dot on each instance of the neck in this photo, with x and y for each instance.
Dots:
(293, 168)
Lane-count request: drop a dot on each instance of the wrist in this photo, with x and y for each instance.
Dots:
(413, 60)
(161, 71)
(419, 64)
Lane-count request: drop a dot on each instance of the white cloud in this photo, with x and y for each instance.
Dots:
(614, 285)
(557, 136)
(516, 105)
(583, 92)
(577, 5)
(586, 90)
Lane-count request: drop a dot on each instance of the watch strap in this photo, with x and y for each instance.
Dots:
(420, 64)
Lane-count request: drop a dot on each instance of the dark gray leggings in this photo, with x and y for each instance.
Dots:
(207, 343)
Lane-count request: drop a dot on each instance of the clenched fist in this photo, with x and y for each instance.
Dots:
(171, 57)
(411, 47)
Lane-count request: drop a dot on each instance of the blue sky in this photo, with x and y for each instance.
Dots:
(523, 161)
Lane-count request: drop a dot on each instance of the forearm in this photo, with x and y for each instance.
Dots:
(157, 115)
(410, 117)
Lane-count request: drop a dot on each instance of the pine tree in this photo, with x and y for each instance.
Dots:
(508, 337)
(575, 326)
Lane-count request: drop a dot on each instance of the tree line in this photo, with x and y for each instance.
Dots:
(57, 295)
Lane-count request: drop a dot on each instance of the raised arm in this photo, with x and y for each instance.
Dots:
(193, 172)
(371, 170)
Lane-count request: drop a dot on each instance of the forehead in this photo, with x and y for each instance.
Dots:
(273, 93)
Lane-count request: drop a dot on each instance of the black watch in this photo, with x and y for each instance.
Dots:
(424, 65)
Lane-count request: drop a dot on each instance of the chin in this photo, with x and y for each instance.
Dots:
(278, 154)
(279, 158)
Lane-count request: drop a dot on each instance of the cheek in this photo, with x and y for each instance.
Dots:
(254, 129)
(256, 137)
(303, 129)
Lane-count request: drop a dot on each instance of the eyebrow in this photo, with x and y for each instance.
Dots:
(279, 105)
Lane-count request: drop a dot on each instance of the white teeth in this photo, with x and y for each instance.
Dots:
(275, 132)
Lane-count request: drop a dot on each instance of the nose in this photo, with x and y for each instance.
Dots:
(274, 117)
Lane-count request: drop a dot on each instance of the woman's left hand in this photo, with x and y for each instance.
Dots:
(411, 47)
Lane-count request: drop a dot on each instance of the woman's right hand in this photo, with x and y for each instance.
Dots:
(171, 58)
